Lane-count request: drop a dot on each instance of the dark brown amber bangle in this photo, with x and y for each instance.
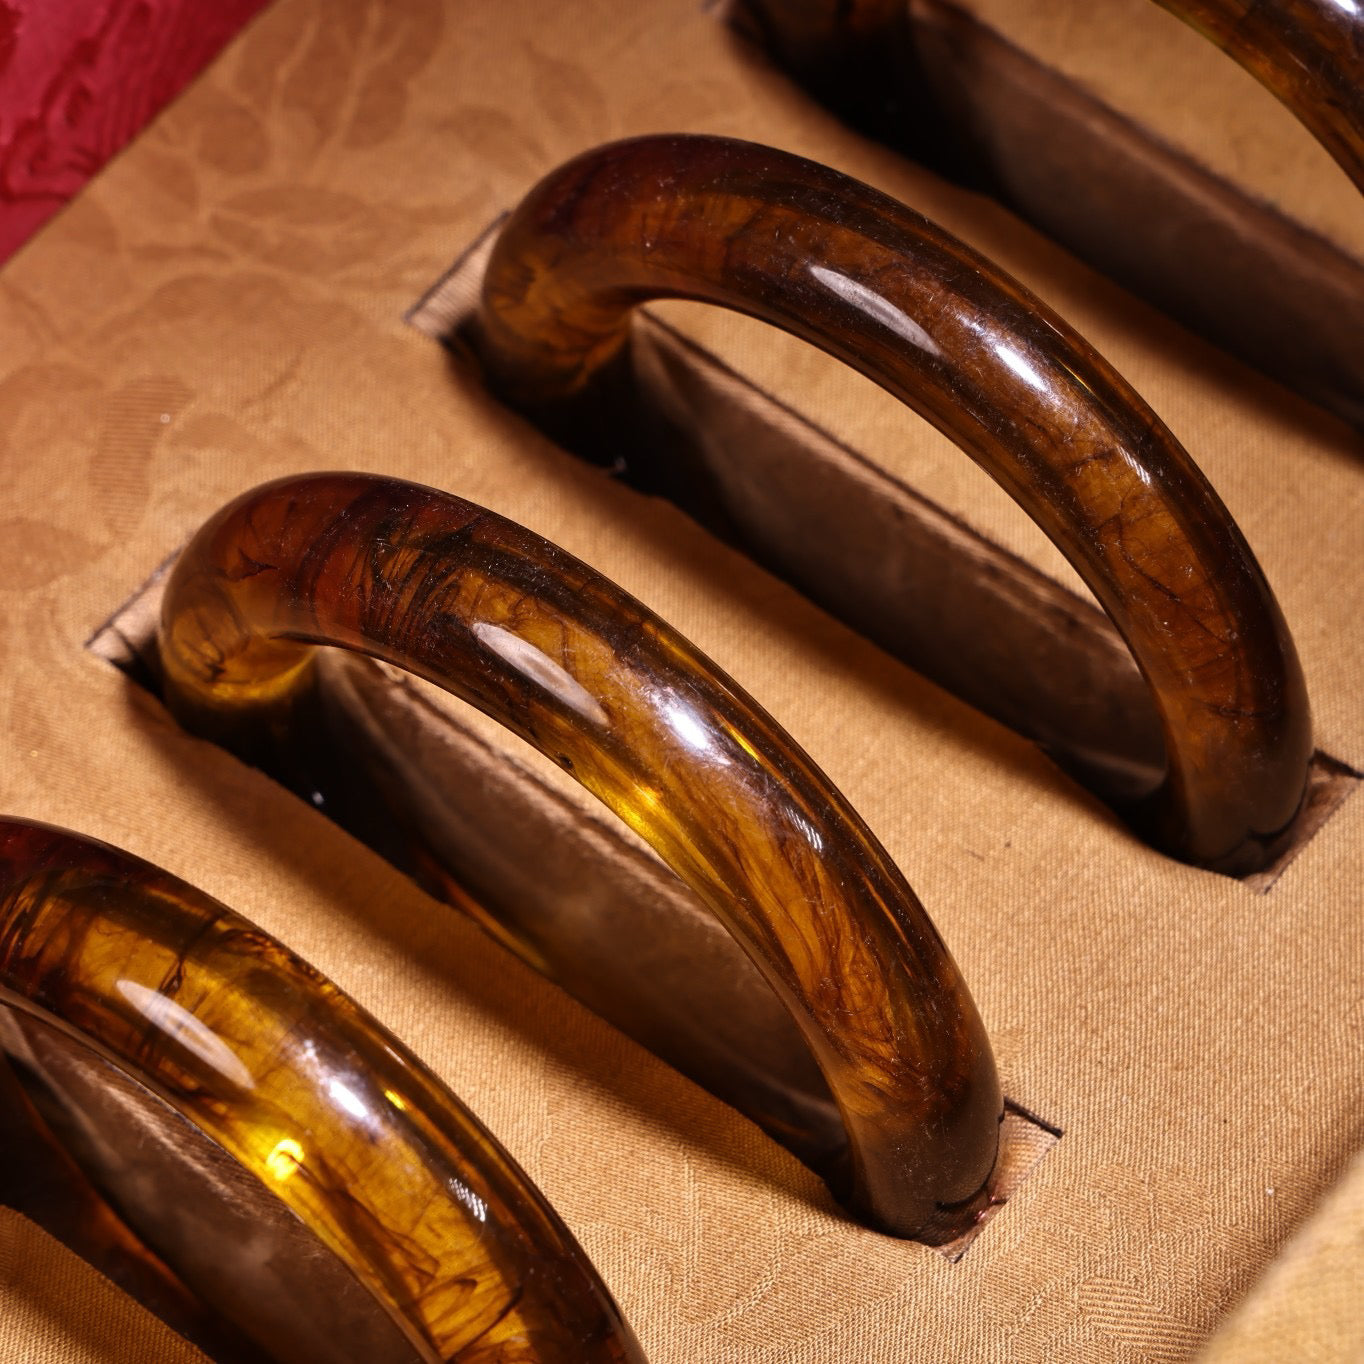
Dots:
(308, 1093)
(877, 285)
(1310, 53)
(590, 677)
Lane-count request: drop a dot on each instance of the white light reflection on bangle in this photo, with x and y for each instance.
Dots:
(882, 309)
(691, 729)
(1020, 366)
(540, 668)
(181, 1027)
(348, 1099)
(464, 1195)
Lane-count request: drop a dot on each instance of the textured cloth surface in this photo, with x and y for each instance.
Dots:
(1307, 1306)
(225, 305)
(56, 1310)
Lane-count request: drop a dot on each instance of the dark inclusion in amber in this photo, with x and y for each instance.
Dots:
(930, 320)
(308, 1093)
(564, 658)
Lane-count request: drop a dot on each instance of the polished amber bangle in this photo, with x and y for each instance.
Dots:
(875, 284)
(308, 1093)
(564, 658)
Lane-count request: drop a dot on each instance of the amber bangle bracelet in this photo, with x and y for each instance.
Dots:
(564, 658)
(308, 1093)
(872, 282)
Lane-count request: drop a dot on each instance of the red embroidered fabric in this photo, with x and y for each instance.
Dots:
(78, 78)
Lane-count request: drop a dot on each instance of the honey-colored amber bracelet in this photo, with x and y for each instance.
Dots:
(874, 283)
(590, 677)
(222, 1027)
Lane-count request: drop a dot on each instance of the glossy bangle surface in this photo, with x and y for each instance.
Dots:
(565, 659)
(877, 285)
(308, 1093)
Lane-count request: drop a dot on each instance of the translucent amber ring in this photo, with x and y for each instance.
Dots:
(590, 677)
(874, 283)
(240, 1042)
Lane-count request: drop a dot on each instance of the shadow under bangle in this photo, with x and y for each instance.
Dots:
(877, 285)
(1308, 53)
(564, 658)
(307, 1093)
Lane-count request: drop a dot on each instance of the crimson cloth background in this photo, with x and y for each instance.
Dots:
(78, 78)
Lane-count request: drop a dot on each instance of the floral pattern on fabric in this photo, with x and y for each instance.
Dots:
(79, 78)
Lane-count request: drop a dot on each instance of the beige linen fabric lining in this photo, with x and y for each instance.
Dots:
(225, 305)
(55, 1309)
(1309, 1297)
